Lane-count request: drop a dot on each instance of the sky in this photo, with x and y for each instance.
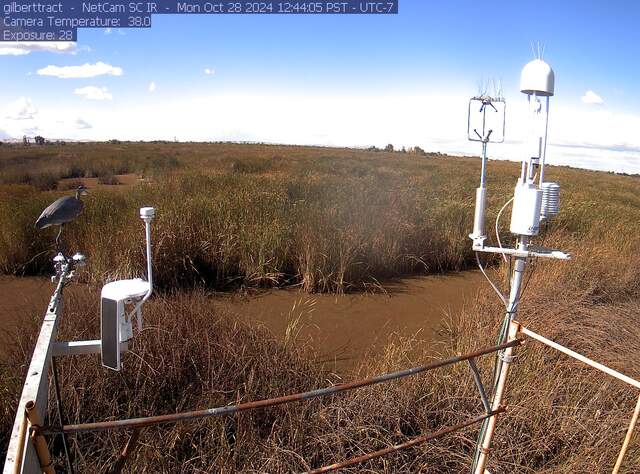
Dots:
(340, 80)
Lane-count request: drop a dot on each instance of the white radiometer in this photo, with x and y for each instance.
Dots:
(116, 326)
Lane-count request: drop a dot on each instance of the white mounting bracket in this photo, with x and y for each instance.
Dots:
(532, 251)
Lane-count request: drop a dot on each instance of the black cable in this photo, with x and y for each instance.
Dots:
(56, 386)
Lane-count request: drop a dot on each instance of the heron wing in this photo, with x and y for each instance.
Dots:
(59, 212)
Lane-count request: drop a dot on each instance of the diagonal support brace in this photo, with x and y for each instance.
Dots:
(478, 380)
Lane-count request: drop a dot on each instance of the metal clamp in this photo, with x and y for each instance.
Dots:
(506, 358)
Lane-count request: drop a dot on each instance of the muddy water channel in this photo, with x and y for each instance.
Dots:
(340, 329)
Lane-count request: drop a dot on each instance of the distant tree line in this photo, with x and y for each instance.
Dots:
(416, 150)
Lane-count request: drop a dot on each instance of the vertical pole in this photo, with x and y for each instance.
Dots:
(485, 446)
(147, 232)
(483, 170)
(544, 145)
(481, 199)
(516, 279)
(627, 439)
(506, 357)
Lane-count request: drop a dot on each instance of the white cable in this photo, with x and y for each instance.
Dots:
(497, 222)
(493, 285)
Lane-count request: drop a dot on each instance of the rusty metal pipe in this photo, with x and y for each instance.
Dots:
(408, 444)
(40, 444)
(271, 402)
(127, 451)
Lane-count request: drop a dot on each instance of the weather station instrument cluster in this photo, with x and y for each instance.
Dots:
(534, 200)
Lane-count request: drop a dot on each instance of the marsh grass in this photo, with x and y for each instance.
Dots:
(247, 216)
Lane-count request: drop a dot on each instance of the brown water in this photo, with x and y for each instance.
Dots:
(340, 328)
(343, 328)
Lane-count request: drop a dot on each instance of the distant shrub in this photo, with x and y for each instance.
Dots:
(70, 184)
(109, 179)
(44, 181)
(389, 148)
(250, 165)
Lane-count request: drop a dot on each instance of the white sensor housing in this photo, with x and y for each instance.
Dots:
(147, 213)
(525, 216)
(478, 217)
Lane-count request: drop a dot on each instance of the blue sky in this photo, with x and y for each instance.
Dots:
(340, 79)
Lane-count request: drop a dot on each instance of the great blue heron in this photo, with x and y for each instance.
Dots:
(61, 211)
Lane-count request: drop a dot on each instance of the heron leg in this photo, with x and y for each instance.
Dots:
(58, 238)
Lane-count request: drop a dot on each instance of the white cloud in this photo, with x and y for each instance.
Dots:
(81, 124)
(94, 93)
(151, 87)
(591, 97)
(85, 71)
(595, 138)
(209, 72)
(20, 48)
(21, 109)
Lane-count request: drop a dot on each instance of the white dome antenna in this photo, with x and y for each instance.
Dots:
(538, 78)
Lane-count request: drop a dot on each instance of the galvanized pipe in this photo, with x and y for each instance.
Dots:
(407, 444)
(231, 409)
(478, 380)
